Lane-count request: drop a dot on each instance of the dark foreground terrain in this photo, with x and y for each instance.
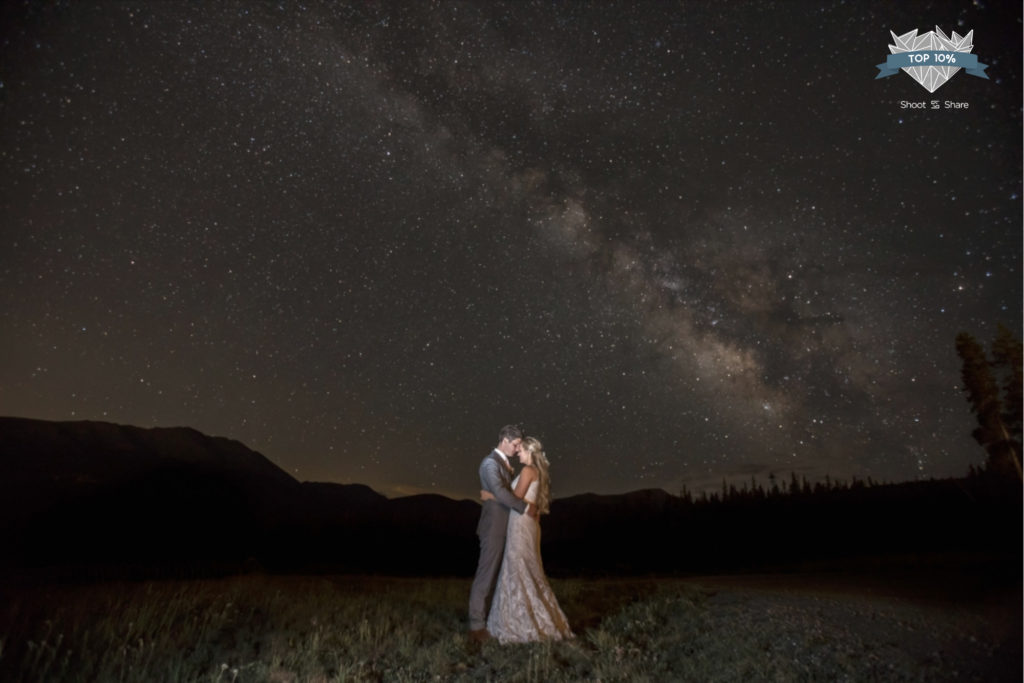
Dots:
(938, 626)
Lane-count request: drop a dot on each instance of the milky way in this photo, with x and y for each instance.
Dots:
(679, 244)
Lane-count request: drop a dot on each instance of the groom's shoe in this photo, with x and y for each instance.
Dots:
(476, 639)
(479, 635)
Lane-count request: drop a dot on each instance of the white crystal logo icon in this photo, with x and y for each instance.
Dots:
(932, 76)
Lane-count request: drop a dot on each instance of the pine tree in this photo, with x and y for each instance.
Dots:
(998, 408)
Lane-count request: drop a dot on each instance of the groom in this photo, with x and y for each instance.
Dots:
(495, 477)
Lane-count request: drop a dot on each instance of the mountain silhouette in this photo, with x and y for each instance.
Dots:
(101, 494)
(47, 462)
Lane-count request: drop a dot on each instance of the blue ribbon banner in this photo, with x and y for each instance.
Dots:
(964, 60)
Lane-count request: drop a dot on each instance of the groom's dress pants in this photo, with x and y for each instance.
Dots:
(492, 529)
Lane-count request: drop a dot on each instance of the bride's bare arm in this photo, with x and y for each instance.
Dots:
(526, 477)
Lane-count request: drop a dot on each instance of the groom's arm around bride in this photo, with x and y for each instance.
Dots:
(492, 481)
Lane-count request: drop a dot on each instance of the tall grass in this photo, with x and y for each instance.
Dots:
(291, 629)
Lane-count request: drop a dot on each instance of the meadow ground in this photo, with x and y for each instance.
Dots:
(342, 628)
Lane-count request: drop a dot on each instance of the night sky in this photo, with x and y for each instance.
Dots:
(678, 242)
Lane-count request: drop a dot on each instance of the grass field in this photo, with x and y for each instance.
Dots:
(281, 628)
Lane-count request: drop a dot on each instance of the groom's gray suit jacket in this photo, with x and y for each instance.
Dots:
(496, 479)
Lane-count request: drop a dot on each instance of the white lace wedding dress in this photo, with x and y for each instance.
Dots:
(524, 607)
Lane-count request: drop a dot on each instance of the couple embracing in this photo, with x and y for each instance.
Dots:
(523, 607)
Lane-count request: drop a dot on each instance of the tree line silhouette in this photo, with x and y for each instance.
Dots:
(754, 490)
(791, 524)
(993, 385)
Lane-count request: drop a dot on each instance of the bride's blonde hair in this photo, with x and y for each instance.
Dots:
(540, 461)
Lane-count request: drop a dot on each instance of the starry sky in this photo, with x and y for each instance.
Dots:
(678, 242)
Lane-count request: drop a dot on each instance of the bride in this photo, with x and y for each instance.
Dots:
(524, 607)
